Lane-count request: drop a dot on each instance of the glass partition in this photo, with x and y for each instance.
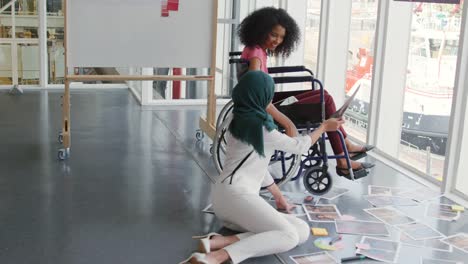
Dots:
(5, 64)
(432, 58)
(28, 64)
(55, 37)
(360, 62)
(19, 41)
(311, 34)
(6, 22)
(461, 184)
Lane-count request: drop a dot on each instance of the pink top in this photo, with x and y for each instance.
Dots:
(256, 52)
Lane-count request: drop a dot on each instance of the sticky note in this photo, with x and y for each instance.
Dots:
(458, 208)
(319, 231)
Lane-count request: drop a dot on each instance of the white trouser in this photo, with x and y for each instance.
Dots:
(267, 231)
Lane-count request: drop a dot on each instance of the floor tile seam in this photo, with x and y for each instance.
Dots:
(280, 259)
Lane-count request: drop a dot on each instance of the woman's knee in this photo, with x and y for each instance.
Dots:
(291, 237)
(301, 228)
(329, 99)
(302, 232)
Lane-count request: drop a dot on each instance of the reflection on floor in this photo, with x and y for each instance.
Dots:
(134, 186)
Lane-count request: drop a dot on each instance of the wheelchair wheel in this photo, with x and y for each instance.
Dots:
(312, 152)
(282, 165)
(317, 180)
(219, 144)
(307, 162)
(224, 113)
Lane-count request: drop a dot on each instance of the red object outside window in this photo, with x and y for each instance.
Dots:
(176, 86)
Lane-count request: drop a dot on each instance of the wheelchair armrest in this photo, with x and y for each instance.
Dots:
(293, 79)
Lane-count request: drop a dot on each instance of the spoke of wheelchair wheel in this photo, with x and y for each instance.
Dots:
(274, 156)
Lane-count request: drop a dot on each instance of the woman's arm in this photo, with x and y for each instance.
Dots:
(328, 125)
(255, 64)
(281, 201)
(298, 145)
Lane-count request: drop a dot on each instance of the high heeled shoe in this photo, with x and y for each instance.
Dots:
(196, 258)
(204, 246)
(358, 173)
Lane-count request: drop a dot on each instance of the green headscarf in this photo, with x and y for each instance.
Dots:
(251, 96)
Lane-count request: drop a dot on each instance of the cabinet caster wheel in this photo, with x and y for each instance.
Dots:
(63, 154)
(199, 135)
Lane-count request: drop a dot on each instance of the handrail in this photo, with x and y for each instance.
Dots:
(6, 6)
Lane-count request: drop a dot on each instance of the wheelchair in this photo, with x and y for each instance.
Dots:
(285, 167)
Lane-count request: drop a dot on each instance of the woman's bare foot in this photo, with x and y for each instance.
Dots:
(217, 257)
(341, 163)
(218, 242)
(353, 147)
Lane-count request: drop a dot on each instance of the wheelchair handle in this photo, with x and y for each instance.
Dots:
(231, 61)
(286, 69)
(293, 79)
(235, 53)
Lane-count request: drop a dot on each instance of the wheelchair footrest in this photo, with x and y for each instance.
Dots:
(357, 174)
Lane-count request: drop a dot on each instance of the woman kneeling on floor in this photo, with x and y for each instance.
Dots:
(252, 140)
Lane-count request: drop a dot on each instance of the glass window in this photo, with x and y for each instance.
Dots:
(360, 63)
(5, 21)
(19, 31)
(55, 37)
(432, 59)
(5, 64)
(56, 56)
(311, 34)
(28, 64)
(27, 19)
(462, 177)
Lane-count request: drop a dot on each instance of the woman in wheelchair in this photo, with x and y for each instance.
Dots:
(251, 140)
(271, 31)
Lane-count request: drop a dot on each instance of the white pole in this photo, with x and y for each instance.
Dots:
(14, 48)
(43, 72)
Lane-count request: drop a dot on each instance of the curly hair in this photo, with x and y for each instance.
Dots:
(254, 29)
